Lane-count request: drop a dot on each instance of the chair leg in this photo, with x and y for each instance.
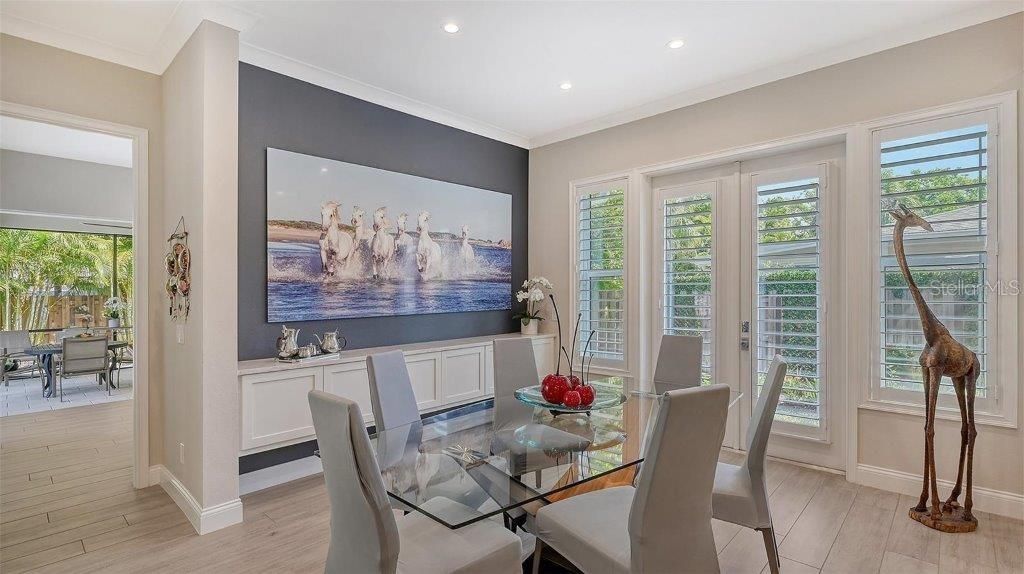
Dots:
(60, 386)
(771, 548)
(536, 478)
(538, 550)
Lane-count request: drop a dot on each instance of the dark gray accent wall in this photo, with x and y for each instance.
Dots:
(281, 112)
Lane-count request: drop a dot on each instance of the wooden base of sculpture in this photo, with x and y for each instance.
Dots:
(952, 521)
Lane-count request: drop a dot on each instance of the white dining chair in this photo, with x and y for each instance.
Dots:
(83, 356)
(740, 495)
(662, 525)
(391, 394)
(13, 347)
(365, 535)
(679, 363)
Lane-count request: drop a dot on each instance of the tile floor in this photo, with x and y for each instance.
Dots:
(26, 396)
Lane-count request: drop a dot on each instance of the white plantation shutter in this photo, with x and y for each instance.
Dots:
(688, 269)
(788, 297)
(942, 175)
(600, 289)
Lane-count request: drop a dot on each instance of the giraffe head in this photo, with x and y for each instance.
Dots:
(909, 219)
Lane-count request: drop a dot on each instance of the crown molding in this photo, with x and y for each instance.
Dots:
(351, 87)
(976, 15)
(186, 18)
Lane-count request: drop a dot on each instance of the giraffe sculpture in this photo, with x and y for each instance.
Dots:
(942, 356)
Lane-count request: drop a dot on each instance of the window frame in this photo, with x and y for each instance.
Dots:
(579, 189)
(1001, 266)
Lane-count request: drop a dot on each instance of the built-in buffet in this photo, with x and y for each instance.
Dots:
(275, 411)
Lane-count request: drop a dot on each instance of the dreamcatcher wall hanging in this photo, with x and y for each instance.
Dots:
(178, 262)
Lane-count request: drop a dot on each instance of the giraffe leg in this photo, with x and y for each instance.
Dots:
(972, 433)
(934, 378)
(958, 385)
(922, 503)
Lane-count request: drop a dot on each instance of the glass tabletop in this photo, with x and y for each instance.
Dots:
(505, 455)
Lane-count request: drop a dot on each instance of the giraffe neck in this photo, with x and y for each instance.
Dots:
(929, 323)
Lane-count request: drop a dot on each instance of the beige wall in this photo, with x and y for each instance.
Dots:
(977, 61)
(44, 77)
(200, 94)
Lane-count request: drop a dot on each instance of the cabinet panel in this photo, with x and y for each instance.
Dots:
(544, 352)
(464, 374)
(425, 372)
(489, 370)
(275, 406)
(351, 381)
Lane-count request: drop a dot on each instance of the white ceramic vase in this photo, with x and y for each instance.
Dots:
(529, 328)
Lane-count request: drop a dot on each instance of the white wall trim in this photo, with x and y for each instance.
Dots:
(977, 14)
(999, 502)
(140, 252)
(351, 87)
(203, 520)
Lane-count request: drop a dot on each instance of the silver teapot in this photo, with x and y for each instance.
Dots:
(288, 342)
(330, 343)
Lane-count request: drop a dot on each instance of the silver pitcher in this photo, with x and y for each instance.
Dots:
(288, 342)
(330, 343)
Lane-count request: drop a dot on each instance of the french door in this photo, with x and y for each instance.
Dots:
(742, 258)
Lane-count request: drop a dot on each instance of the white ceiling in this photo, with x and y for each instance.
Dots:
(500, 75)
(41, 138)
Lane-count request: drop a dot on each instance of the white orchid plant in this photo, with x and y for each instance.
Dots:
(114, 307)
(533, 295)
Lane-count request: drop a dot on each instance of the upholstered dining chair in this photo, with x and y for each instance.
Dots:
(365, 535)
(679, 363)
(740, 495)
(396, 405)
(662, 525)
(83, 356)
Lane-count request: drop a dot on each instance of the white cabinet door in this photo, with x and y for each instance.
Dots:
(425, 372)
(352, 381)
(275, 408)
(489, 370)
(544, 352)
(464, 374)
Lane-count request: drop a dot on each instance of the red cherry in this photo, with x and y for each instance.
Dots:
(586, 394)
(571, 399)
(574, 381)
(553, 388)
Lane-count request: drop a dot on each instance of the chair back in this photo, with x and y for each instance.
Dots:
(364, 534)
(14, 341)
(679, 363)
(761, 428)
(84, 355)
(72, 332)
(515, 366)
(391, 395)
(670, 518)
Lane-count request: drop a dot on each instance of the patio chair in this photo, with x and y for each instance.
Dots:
(13, 346)
(83, 356)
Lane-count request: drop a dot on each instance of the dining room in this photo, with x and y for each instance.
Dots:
(545, 287)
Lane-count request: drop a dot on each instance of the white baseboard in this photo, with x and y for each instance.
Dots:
(203, 520)
(985, 499)
(278, 474)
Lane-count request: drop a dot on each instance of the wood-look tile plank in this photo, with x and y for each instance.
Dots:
(15, 525)
(1008, 540)
(792, 567)
(52, 488)
(909, 537)
(790, 498)
(124, 500)
(968, 551)
(39, 559)
(811, 537)
(724, 532)
(172, 517)
(60, 538)
(894, 563)
(859, 546)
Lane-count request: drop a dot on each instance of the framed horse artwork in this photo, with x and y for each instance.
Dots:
(346, 240)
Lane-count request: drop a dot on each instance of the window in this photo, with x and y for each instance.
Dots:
(942, 170)
(600, 280)
(688, 268)
(788, 295)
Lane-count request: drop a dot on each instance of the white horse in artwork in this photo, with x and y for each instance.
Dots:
(335, 244)
(404, 241)
(428, 252)
(382, 246)
(467, 258)
(361, 235)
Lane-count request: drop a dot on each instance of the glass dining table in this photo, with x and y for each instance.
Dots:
(505, 456)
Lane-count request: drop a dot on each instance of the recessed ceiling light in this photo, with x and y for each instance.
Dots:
(565, 86)
(675, 44)
(451, 27)
(323, 170)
